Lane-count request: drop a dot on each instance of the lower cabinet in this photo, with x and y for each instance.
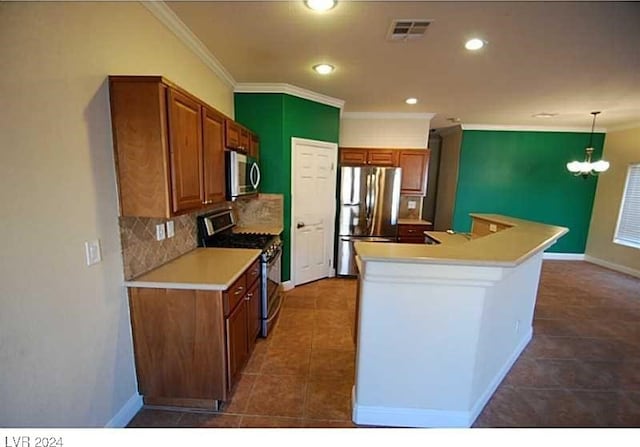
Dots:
(413, 233)
(191, 345)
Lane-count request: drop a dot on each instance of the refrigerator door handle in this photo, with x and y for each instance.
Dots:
(369, 202)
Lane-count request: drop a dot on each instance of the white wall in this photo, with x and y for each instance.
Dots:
(65, 345)
(384, 130)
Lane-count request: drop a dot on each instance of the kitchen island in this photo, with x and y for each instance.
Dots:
(439, 326)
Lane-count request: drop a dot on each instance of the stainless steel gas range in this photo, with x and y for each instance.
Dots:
(215, 229)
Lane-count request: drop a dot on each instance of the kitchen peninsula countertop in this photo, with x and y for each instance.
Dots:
(199, 269)
(508, 247)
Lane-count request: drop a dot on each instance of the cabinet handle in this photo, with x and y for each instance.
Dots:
(249, 296)
(412, 231)
(239, 291)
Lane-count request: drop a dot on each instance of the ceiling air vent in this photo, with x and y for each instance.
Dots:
(407, 29)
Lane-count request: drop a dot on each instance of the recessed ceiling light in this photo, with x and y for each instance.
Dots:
(411, 101)
(474, 44)
(323, 69)
(544, 115)
(320, 5)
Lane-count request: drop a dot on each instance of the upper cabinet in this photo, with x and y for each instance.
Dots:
(168, 146)
(371, 157)
(414, 164)
(239, 138)
(415, 171)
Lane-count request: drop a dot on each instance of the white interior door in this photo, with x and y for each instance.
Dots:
(313, 209)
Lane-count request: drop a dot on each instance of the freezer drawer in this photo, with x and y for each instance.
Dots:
(346, 262)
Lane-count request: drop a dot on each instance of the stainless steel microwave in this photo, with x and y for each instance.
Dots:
(242, 174)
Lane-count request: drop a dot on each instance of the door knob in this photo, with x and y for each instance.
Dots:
(300, 225)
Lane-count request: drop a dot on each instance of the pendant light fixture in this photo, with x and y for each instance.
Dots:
(587, 167)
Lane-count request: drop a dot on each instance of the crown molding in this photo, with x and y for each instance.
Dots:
(265, 87)
(387, 115)
(517, 128)
(163, 13)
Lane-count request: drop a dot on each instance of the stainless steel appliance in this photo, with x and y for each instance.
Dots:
(368, 210)
(215, 229)
(243, 175)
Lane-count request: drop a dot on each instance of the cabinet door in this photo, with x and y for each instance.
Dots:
(237, 342)
(254, 146)
(382, 157)
(253, 313)
(232, 134)
(213, 156)
(185, 118)
(245, 139)
(414, 164)
(353, 156)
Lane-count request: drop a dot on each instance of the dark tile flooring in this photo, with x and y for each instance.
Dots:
(581, 369)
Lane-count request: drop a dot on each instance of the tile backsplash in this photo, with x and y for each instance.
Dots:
(405, 212)
(141, 252)
(265, 209)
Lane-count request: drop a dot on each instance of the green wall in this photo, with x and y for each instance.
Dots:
(523, 174)
(276, 118)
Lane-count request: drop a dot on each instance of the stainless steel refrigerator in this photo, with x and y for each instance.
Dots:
(368, 210)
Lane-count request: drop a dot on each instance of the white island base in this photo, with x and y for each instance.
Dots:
(436, 340)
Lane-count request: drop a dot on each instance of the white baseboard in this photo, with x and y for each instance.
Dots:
(126, 413)
(563, 256)
(407, 417)
(428, 418)
(287, 285)
(612, 266)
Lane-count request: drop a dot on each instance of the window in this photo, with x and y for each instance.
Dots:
(628, 228)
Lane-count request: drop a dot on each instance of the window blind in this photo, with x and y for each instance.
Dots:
(628, 229)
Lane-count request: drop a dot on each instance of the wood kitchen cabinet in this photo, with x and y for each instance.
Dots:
(415, 170)
(192, 345)
(239, 138)
(355, 156)
(413, 233)
(414, 164)
(254, 146)
(213, 156)
(168, 148)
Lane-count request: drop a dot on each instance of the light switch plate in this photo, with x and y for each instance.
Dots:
(92, 252)
(493, 228)
(170, 230)
(160, 233)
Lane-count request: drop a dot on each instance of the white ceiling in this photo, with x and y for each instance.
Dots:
(569, 58)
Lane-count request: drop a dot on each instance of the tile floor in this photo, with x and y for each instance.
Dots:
(581, 369)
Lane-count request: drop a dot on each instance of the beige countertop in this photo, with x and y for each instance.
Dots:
(201, 269)
(263, 229)
(508, 247)
(405, 221)
(445, 238)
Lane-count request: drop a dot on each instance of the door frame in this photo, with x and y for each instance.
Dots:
(331, 225)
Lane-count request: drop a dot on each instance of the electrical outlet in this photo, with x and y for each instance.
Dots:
(411, 204)
(493, 228)
(92, 252)
(170, 230)
(160, 233)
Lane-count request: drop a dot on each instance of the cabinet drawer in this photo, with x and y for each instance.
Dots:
(412, 230)
(235, 293)
(253, 273)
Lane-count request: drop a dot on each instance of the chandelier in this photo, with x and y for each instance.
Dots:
(587, 167)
